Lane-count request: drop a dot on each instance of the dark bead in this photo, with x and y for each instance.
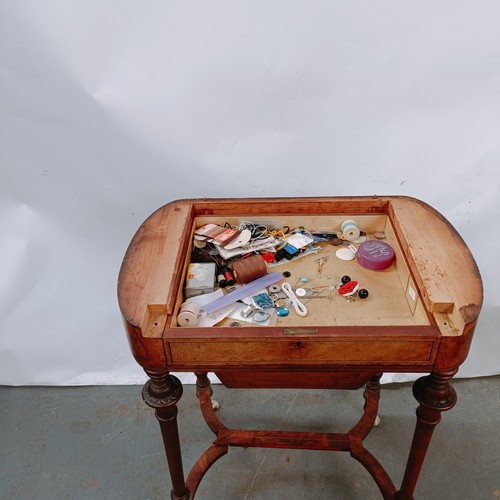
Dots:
(287, 274)
(345, 279)
(363, 293)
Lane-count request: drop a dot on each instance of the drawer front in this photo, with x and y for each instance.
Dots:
(302, 351)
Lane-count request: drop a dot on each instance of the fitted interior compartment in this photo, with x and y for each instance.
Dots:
(393, 299)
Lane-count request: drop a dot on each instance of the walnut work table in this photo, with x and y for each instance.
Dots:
(419, 317)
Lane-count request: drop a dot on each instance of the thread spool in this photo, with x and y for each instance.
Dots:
(350, 230)
(249, 269)
(221, 279)
(228, 276)
(188, 314)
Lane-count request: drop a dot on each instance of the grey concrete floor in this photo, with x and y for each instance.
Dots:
(104, 442)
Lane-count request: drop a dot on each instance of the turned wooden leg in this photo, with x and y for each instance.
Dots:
(203, 384)
(162, 392)
(435, 395)
(207, 404)
(373, 385)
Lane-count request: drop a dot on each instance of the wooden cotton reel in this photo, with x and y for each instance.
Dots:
(249, 269)
(188, 314)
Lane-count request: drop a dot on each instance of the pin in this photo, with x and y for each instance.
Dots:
(300, 280)
(319, 297)
(320, 263)
(314, 294)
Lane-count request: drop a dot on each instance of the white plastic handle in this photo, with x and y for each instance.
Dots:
(300, 308)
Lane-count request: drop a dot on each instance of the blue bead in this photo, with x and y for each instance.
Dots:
(282, 311)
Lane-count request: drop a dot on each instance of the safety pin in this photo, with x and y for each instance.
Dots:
(320, 263)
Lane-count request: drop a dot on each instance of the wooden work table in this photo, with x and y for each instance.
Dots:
(419, 317)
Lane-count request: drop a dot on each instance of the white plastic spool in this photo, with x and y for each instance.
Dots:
(350, 230)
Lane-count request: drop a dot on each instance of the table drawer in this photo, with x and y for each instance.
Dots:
(302, 351)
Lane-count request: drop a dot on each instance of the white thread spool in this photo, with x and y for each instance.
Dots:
(350, 230)
(188, 314)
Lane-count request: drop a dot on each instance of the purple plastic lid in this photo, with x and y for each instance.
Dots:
(375, 255)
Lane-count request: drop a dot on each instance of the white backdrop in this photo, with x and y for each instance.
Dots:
(110, 109)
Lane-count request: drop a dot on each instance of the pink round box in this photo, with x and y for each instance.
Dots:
(375, 255)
